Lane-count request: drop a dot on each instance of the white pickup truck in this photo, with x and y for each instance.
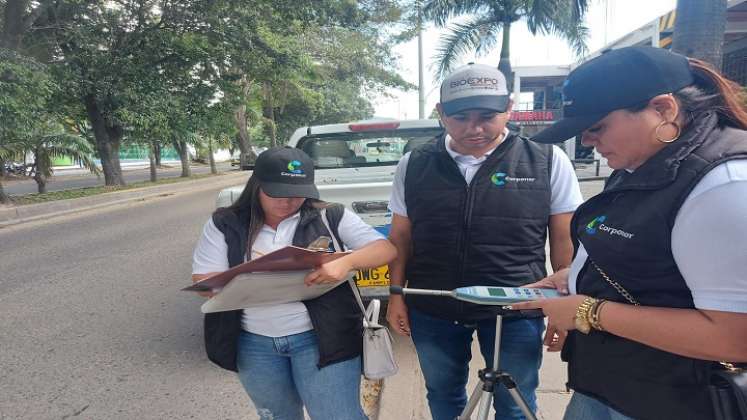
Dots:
(355, 165)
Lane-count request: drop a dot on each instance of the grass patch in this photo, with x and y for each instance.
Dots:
(85, 192)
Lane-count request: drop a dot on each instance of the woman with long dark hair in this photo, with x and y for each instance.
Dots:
(658, 283)
(299, 354)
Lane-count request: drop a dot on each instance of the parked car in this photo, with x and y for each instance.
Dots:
(355, 164)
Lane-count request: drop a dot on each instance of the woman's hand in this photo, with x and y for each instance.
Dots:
(199, 277)
(331, 272)
(557, 281)
(560, 311)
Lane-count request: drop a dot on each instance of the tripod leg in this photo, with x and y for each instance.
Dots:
(472, 403)
(485, 403)
(510, 386)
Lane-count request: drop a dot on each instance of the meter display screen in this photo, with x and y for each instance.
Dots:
(494, 291)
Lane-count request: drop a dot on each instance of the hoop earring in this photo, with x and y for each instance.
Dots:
(663, 124)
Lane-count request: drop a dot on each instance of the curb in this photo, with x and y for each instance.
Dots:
(31, 212)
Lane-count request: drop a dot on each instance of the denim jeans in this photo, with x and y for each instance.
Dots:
(582, 407)
(444, 351)
(281, 377)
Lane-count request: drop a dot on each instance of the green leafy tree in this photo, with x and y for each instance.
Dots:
(482, 21)
(25, 89)
(49, 141)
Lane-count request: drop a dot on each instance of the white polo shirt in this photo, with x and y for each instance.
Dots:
(211, 255)
(565, 193)
(709, 240)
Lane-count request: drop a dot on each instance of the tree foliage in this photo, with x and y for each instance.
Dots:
(194, 72)
(482, 21)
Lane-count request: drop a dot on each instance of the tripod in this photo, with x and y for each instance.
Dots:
(482, 396)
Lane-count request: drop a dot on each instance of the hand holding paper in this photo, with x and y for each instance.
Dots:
(331, 272)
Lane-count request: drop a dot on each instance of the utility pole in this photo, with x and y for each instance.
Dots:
(421, 85)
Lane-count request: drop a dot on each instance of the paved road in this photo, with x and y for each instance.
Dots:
(64, 181)
(92, 322)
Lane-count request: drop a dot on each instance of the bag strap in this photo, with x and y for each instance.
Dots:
(332, 215)
(350, 279)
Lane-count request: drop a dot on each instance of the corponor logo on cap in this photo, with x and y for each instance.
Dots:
(294, 167)
(294, 170)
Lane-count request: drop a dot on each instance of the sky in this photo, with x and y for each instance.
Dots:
(607, 20)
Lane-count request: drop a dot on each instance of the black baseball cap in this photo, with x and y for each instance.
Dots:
(286, 172)
(617, 79)
(474, 86)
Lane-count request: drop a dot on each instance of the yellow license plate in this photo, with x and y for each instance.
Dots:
(372, 277)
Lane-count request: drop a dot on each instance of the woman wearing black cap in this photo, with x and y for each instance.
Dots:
(299, 354)
(658, 283)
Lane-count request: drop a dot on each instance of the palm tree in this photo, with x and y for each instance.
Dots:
(49, 141)
(699, 29)
(484, 19)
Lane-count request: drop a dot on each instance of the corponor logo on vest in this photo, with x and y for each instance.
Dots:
(597, 224)
(501, 178)
(294, 168)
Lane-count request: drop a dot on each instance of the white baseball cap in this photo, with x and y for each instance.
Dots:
(474, 86)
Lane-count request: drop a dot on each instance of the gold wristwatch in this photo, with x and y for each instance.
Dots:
(582, 315)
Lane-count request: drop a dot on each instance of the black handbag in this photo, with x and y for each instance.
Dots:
(728, 389)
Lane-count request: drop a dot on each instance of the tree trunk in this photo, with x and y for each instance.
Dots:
(504, 65)
(157, 151)
(13, 26)
(269, 112)
(4, 198)
(40, 166)
(41, 182)
(211, 158)
(108, 140)
(3, 172)
(153, 164)
(181, 147)
(699, 30)
(247, 155)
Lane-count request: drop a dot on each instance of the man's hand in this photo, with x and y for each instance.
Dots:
(396, 315)
(331, 272)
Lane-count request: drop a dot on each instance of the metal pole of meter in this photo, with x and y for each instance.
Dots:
(483, 394)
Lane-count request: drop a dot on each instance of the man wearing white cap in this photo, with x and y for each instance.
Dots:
(474, 207)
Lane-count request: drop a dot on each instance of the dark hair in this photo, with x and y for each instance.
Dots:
(713, 92)
(710, 92)
(249, 203)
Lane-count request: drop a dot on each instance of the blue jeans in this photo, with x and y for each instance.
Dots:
(582, 407)
(444, 351)
(281, 377)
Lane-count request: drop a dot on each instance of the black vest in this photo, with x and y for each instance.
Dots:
(336, 317)
(491, 232)
(627, 230)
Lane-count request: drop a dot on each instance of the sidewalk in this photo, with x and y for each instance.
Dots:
(10, 215)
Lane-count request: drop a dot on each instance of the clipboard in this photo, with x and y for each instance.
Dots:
(270, 279)
(265, 288)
